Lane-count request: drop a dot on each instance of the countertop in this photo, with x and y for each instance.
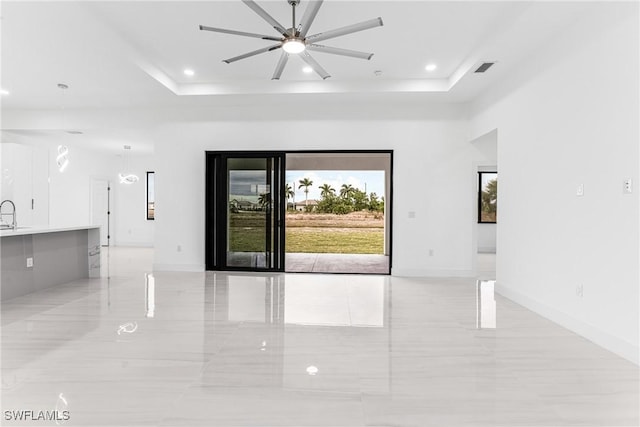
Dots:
(23, 231)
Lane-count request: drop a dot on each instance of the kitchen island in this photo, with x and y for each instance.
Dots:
(36, 258)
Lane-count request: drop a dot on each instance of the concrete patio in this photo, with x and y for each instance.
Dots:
(336, 263)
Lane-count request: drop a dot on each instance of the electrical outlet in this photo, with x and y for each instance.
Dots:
(430, 252)
(627, 187)
(411, 214)
(579, 291)
(179, 248)
(580, 190)
(29, 262)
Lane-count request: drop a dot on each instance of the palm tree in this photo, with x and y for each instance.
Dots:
(306, 183)
(346, 191)
(326, 190)
(264, 200)
(288, 191)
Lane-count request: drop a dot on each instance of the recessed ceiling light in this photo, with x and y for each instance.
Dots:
(4, 92)
(431, 67)
(189, 72)
(307, 69)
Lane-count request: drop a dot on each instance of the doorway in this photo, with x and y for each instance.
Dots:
(250, 204)
(338, 216)
(101, 208)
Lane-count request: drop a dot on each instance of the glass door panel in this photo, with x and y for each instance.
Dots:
(248, 212)
(245, 211)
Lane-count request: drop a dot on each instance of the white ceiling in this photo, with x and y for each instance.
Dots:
(124, 62)
(130, 54)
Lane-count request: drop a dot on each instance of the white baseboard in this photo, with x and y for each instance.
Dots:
(179, 267)
(418, 272)
(604, 339)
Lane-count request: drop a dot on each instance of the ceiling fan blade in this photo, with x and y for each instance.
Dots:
(253, 53)
(372, 23)
(338, 51)
(308, 17)
(240, 33)
(260, 11)
(280, 67)
(306, 57)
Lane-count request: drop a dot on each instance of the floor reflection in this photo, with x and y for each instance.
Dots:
(298, 332)
(299, 299)
(485, 304)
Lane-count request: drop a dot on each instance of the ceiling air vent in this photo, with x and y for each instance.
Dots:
(484, 67)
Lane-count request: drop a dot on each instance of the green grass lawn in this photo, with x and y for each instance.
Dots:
(335, 235)
(246, 232)
(335, 241)
(244, 239)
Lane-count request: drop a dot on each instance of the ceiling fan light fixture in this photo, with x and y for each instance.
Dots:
(295, 40)
(293, 45)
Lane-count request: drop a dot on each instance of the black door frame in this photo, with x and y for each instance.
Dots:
(216, 207)
(213, 207)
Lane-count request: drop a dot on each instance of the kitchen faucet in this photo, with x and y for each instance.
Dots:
(14, 224)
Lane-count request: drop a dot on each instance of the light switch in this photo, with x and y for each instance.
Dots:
(580, 190)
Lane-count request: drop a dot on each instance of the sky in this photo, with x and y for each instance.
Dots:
(374, 181)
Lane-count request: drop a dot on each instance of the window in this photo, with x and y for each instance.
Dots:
(487, 197)
(151, 198)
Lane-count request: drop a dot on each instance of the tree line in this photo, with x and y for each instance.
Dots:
(348, 199)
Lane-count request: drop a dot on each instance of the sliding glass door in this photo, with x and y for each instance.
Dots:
(244, 211)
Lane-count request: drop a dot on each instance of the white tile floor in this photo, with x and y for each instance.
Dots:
(298, 350)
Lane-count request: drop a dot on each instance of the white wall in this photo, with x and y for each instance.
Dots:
(487, 238)
(433, 177)
(131, 225)
(572, 121)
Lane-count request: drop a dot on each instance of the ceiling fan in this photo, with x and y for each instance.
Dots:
(295, 41)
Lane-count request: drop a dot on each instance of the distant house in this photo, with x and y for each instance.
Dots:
(300, 206)
(246, 205)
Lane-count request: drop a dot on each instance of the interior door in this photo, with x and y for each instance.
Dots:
(245, 210)
(100, 207)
